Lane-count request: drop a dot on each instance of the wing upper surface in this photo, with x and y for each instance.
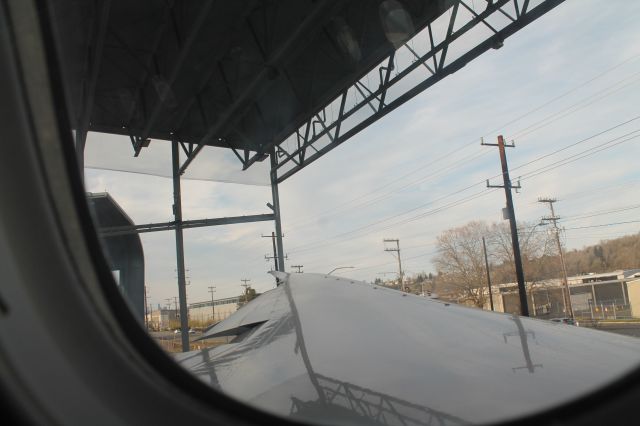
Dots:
(337, 348)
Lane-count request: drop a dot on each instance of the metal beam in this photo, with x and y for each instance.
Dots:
(186, 224)
(89, 94)
(187, 107)
(276, 210)
(493, 41)
(179, 62)
(177, 213)
(139, 90)
(259, 84)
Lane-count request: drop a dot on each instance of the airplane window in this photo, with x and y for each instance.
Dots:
(465, 249)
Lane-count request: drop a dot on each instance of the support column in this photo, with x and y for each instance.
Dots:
(177, 214)
(81, 140)
(276, 209)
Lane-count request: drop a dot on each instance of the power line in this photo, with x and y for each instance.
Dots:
(586, 153)
(437, 251)
(297, 249)
(431, 253)
(530, 174)
(600, 213)
(581, 85)
(327, 241)
(456, 150)
(386, 185)
(544, 169)
(592, 191)
(340, 208)
(558, 115)
(354, 261)
(581, 141)
(535, 172)
(603, 225)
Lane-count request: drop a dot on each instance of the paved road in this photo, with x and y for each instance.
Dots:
(632, 329)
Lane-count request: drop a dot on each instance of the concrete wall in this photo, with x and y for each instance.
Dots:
(204, 313)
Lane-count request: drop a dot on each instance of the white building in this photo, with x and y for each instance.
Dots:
(606, 295)
(206, 312)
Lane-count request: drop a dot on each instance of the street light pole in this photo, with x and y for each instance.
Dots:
(340, 267)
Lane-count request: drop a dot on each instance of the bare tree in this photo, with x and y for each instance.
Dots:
(460, 259)
(536, 248)
(460, 262)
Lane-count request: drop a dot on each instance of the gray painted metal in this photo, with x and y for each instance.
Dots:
(276, 210)
(177, 212)
(196, 223)
(331, 350)
(289, 165)
(124, 253)
(89, 94)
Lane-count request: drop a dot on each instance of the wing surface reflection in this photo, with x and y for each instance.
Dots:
(330, 350)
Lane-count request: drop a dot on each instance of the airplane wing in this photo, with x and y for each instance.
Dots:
(322, 348)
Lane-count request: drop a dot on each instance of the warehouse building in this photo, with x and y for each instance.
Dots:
(609, 295)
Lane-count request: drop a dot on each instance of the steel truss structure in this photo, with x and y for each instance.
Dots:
(373, 96)
(169, 226)
(371, 405)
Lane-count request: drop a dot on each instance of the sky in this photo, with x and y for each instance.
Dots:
(565, 89)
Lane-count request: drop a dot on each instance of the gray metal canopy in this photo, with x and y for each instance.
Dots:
(233, 74)
(246, 75)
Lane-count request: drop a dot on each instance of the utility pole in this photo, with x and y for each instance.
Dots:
(277, 257)
(524, 306)
(486, 262)
(566, 294)
(275, 251)
(246, 286)
(212, 289)
(177, 214)
(298, 267)
(397, 249)
(169, 300)
(275, 198)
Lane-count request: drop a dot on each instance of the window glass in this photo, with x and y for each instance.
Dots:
(471, 157)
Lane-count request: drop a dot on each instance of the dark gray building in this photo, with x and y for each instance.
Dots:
(124, 253)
